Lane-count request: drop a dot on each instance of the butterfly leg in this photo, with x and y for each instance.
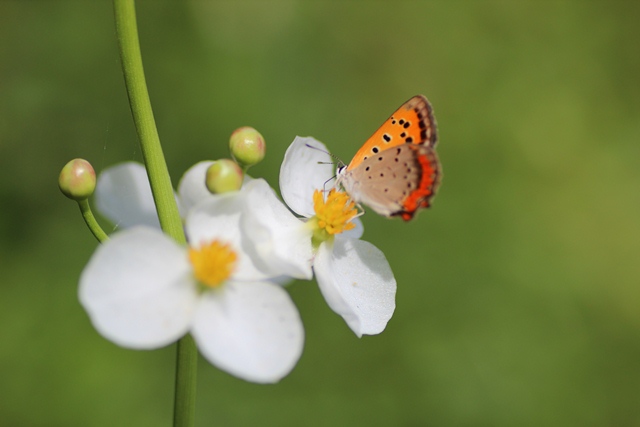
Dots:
(360, 210)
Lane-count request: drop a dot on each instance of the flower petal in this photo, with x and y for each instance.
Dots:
(138, 290)
(282, 241)
(357, 283)
(192, 188)
(251, 330)
(356, 232)
(304, 170)
(123, 195)
(218, 218)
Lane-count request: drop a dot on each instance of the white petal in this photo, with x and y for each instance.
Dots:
(304, 170)
(358, 284)
(218, 218)
(281, 241)
(192, 188)
(356, 232)
(251, 330)
(123, 195)
(138, 289)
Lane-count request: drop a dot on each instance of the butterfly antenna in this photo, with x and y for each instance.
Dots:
(337, 161)
(325, 152)
(324, 186)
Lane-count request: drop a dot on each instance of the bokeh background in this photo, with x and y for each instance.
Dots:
(518, 292)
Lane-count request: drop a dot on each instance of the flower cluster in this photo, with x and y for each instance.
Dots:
(142, 290)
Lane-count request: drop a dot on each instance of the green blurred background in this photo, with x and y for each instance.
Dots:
(518, 293)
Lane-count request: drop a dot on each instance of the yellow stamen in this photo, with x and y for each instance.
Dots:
(212, 263)
(334, 214)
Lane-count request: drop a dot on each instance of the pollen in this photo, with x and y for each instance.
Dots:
(212, 263)
(334, 214)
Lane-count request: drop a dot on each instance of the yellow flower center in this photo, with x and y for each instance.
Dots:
(333, 214)
(213, 263)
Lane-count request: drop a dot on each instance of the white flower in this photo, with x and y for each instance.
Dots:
(142, 290)
(123, 193)
(353, 275)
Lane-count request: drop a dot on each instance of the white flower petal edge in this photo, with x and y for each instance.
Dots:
(251, 330)
(218, 217)
(356, 232)
(280, 239)
(123, 195)
(138, 290)
(357, 283)
(304, 170)
(192, 188)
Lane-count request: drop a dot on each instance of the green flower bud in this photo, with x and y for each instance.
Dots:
(224, 175)
(77, 180)
(247, 146)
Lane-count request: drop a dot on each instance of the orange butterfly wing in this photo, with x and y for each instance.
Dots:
(412, 123)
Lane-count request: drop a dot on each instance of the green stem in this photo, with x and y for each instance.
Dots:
(127, 32)
(131, 58)
(186, 367)
(91, 222)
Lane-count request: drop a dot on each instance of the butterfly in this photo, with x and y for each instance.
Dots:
(396, 172)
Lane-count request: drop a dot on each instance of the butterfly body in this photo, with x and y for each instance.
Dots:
(396, 172)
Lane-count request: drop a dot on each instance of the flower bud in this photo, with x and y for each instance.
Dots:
(224, 175)
(77, 180)
(247, 146)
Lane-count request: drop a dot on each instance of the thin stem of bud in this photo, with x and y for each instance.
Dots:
(91, 222)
